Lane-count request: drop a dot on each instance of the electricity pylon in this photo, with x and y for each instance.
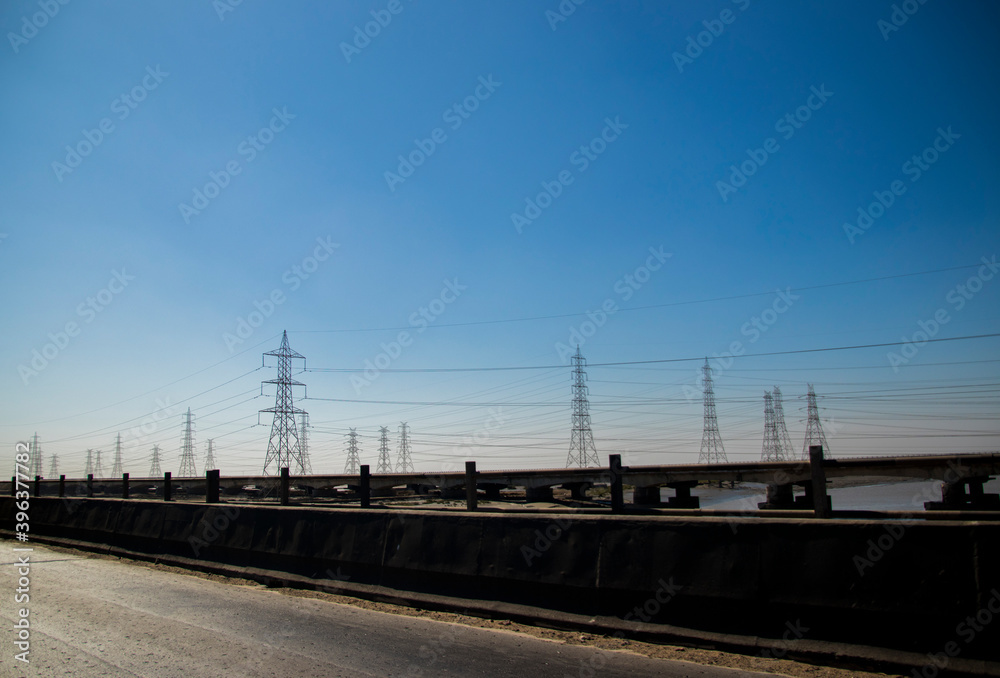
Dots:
(283, 447)
(188, 468)
(814, 429)
(353, 465)
(582, 451)
(154, 468)
(384, 462)
(305, 464)
(34, 457)
(404, 463)
(210, 457)
(116, 469)
(787, 451)
(771, 450)
(90, 463)
(98, 467)
(712, 451)
(54, 466)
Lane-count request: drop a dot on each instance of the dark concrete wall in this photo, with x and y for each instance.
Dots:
(739, 575)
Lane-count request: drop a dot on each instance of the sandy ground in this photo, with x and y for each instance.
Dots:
(781, 667)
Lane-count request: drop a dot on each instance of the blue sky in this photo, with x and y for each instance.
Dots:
(297, 133)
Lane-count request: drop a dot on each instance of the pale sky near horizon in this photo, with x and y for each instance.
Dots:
(656, 181)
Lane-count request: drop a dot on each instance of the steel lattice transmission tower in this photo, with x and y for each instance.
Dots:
(54, 466)
(154, 468)
(90, 463)
(404, 464)
(188, 468)
(283, 449)
(210, 457)
(353, 465)
(98, 466)
(384, 462)
(305, 468)
(712, 451)
(771, 450)
(582, 451)
(787, 451)
(34, 457)
(116, 469)
(814, 429)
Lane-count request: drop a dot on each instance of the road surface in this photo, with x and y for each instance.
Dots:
(102, 618)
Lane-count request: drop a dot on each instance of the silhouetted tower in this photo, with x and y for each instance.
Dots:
(404, 464)
(353, 465)
(283, 447)
(771, 450)
(384, 462)
(34, 457)
(54, 466)
(116, 468)
(188, 468)
(712, 451)
(814, 429)
(787, 451)
(154, 468)
(98, 466)
(582, 451)
(90, 463)
(306, 468)
(210, 457)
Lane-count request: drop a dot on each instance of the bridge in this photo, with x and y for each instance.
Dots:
(963, 475)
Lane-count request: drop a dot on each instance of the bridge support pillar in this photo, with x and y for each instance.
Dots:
(538, 493)
(646, 495)
(577, 491)
(779, 497)
(453, 492)
(492, 491)
(682, 497)
(955, 497)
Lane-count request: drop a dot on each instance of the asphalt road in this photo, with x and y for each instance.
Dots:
(101, 618)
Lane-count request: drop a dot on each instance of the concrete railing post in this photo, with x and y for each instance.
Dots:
(62, 486)
(168, 488)
(212, 486)
(821, 501)
(617, 492)
(283, 489)
(124, 486)
(90, 484)
(13, 486)
(365, 491)
(471, 489)
(38, 486)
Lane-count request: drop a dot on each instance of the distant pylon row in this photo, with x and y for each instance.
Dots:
(404, 460)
